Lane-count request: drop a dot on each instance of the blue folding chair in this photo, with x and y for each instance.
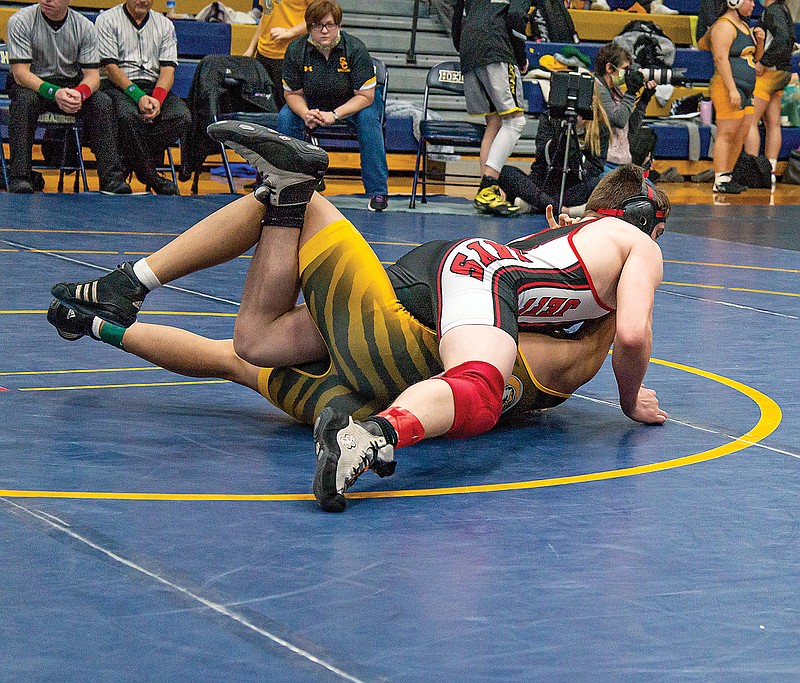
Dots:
(445, 78)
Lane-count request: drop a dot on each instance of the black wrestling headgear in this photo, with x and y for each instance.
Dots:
(640, 210)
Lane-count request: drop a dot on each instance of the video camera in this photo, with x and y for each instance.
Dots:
(571, 95)
(662, 75)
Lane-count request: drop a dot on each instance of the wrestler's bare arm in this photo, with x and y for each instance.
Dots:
(633, 342)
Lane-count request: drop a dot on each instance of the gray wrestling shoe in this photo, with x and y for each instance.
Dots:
(291, 169)
(346, 448)
(116, 297)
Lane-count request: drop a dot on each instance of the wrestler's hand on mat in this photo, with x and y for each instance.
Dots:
(646, 409)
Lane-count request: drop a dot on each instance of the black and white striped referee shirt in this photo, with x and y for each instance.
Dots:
(53, 53)
(140, 51)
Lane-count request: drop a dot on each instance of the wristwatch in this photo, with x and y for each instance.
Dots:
(335, 115)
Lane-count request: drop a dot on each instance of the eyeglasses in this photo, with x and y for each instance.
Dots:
(326, 27)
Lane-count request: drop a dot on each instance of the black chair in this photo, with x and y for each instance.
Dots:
(444, 78)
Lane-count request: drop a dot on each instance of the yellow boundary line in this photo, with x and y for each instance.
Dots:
(769, 419)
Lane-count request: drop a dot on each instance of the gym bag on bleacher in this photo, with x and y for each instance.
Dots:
(754, 172)
(550, 22)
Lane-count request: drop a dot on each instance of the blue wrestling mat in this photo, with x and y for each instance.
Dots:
(162, 528)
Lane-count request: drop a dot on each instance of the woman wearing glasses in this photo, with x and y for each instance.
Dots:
(328, 77)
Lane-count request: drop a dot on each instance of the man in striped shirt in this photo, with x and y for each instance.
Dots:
(55, 67)
(139, 53)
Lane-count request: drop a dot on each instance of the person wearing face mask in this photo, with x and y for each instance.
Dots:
(736, 49)
(625, 110)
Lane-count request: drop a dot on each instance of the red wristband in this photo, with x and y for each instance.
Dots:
(160, 94)
(85, 91)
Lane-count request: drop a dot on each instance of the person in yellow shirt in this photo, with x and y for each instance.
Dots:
(281, 22)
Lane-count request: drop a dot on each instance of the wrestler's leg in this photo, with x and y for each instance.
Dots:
(270, 330)
(433, 401)
(189, 354)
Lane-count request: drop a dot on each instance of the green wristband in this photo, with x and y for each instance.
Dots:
(135, 92)
(112, 334)
(48, 90)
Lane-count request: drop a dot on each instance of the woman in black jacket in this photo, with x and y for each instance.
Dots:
(773, 73)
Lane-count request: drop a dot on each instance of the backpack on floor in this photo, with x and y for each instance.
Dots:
(754, 172)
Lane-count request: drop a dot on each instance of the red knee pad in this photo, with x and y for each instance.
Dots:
(478, 396)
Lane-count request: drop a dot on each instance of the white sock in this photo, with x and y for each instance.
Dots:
(146, 276)
(723, 177)
(773, 163)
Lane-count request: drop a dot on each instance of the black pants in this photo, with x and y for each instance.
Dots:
(99, 129)
(516, 183)
(274, 68)
(142, 143)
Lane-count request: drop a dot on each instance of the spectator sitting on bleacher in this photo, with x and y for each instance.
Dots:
(625, 111)
(328, 77)
(55, 67)
(736, 49)
(542, 186)
(281, 22)
(773, 73)
(139, 53)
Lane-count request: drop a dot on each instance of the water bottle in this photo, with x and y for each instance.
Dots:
(170, 8)
(706, 111)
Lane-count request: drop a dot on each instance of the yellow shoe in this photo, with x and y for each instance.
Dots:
(490, 201)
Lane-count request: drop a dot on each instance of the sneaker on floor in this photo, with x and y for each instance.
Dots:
(116, 187)
(291, 169)
(729, 187)
(671, 175)
(378, 203)
(163, 186)
(116, 297)
(706, 176)
(345, 449)
(69, 323)
(490, 201)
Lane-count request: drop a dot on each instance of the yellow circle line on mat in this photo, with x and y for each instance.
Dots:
(769, 419)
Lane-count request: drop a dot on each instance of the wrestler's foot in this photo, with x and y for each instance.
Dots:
(291, 169)
(346, 448)
(69, 323)
(116, 297)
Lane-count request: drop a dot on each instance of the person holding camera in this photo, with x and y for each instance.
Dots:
(613, 68)
(735, 49)
(773, 73)
(587, 156)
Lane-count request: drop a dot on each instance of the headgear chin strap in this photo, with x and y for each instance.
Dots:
(640, 210)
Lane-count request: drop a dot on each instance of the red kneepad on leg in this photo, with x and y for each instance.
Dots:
(478, 397)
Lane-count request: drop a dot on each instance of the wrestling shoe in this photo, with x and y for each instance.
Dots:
(291, 169)
(346, 448)
(489, 201)
(69, 323)
(116, 297)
